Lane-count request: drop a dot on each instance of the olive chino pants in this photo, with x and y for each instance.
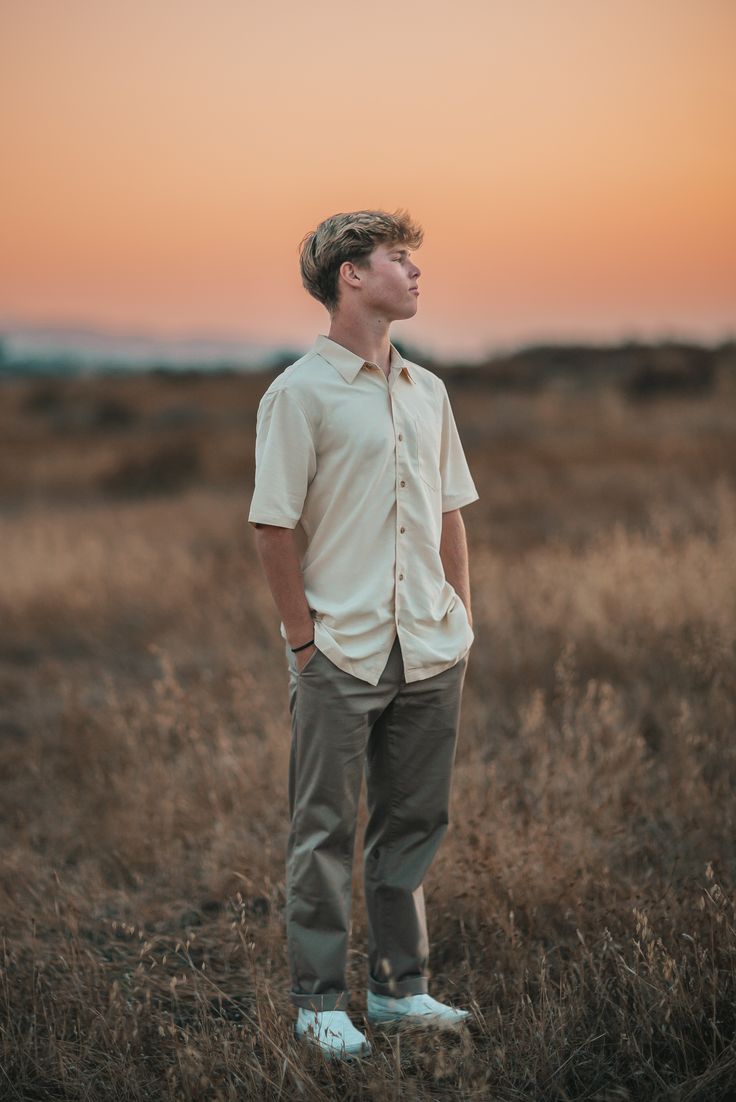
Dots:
(404, 736)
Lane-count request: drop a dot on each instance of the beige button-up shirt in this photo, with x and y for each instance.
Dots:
(362, 467)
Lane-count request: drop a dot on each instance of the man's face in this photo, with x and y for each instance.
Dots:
(390, 283)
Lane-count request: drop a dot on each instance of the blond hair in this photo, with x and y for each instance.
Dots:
(352, 237)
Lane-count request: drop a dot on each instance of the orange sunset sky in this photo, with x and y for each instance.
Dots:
(573, 163)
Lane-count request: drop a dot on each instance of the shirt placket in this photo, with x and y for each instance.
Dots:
(402, 483)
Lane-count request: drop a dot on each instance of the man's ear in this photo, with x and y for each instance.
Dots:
(349, 272)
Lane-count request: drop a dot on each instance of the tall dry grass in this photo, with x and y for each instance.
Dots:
(583, 903)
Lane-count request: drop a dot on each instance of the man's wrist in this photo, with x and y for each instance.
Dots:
(296, 634)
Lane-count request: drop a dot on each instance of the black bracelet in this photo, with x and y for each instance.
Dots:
(302, 647)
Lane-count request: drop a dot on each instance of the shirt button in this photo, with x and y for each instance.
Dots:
(400, 437)
(401, 577)
(402, 529)
(402, 483)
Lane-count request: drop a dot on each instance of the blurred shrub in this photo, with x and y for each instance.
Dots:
(112, 413)
(44, 398)
(168, 468)
(69, 412)
(672, 370)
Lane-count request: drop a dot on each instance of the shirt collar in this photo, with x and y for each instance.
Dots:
(349, 364)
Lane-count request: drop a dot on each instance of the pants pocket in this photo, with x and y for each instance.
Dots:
(309, 662)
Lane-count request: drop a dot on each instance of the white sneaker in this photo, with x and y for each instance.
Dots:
(332, 1032)
(413, 1008)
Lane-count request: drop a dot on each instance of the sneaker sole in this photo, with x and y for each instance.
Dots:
(334, 1053)
(418, 1019)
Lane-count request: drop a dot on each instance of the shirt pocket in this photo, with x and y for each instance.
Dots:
(427, 438)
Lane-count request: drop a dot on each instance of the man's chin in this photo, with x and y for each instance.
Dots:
(400, 313)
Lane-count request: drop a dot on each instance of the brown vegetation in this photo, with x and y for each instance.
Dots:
(583, 904)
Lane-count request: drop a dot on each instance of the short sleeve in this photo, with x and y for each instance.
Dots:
(285, 460)
(458, 488)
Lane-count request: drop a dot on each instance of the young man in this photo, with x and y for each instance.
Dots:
(360, 478)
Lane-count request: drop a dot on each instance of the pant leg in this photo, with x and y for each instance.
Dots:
(409, 764)
(331, 716)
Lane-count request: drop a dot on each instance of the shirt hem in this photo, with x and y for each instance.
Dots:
(348, 666)
(430, 671)
(337, 657)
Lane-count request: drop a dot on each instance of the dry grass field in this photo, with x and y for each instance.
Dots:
(583, 904)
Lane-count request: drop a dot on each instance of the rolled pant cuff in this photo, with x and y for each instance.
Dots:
(331, 1000)
(397, 989)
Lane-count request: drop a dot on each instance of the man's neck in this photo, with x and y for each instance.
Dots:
(371, 343)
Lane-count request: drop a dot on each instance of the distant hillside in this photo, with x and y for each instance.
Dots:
(637, 368)
(640, 369)
(52, 351)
